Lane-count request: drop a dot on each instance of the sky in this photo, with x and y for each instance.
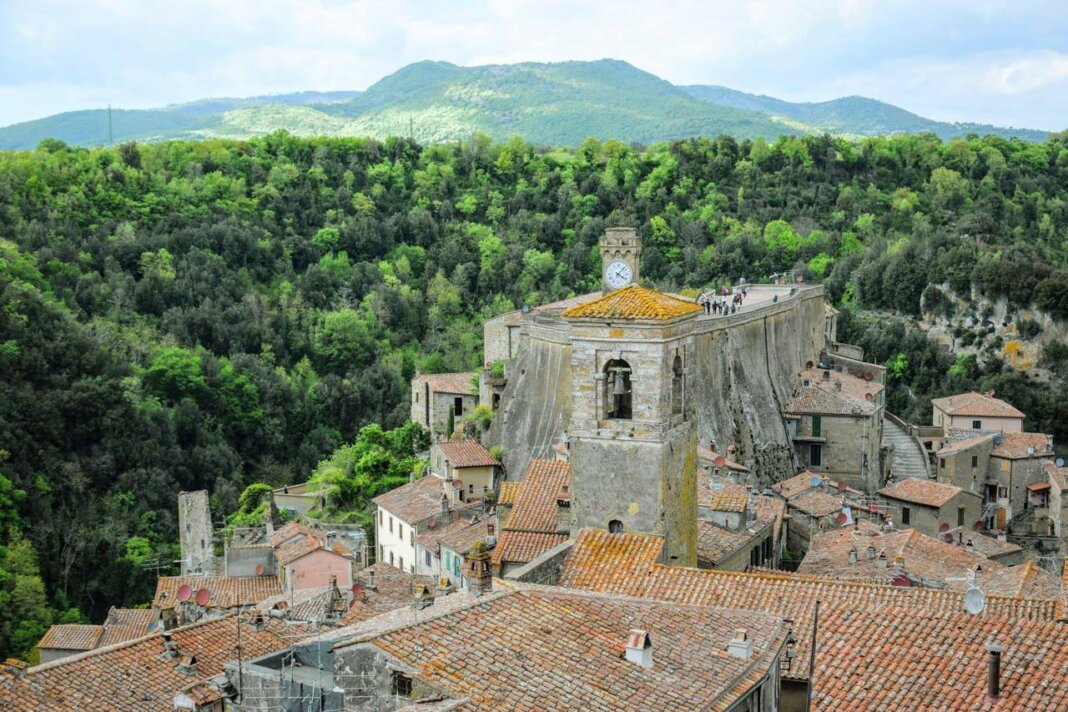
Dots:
(1003, 63)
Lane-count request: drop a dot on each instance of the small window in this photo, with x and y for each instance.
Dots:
(817, 425)
(411, 537)
(906, 515)
(391, 558)
(975, 461)
(496, 401)
(458, 407)
(470, 489)
(391, 524)
(617, 390)
(977, 424)
(615, 526)
(381, 518)
(942, 463)
(960, 516)
(815, 455)
(676, 386)
(400, 565)
(400, 530)
(402, 685)
(427, 552)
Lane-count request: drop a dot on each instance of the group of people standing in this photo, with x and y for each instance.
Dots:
(726, 302)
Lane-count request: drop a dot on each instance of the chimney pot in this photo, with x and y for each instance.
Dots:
(852, 556)
(993, 670)
(639, 648)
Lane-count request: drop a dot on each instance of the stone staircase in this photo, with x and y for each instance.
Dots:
(909, 458)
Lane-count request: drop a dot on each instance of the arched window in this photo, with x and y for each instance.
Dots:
(615, 526)
(617, 389)
(676, 386)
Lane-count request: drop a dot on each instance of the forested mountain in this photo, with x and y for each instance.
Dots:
(547, 103)
(214, 314)
(851, 115)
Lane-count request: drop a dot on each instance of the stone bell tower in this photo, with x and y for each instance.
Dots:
(632, 438)
(621, 250)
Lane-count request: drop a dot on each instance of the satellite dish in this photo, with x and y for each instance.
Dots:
(842, 518)
(526, 309)
(1059, 462)
(974, 601)
(944, 528)
(869, 397)
(902, 581)
(433, 522)
(979, 526)
(260, 569)
(720, 461)
(816, 481)
(357, 589)
(868, 376)
(185, 591)
(203, 596)
(842, 486)
(948, 538)
(457, 484)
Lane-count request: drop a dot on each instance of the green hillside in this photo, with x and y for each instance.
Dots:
(551, 104)
(851, 115)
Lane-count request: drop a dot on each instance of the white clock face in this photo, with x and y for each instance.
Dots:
(618, 274)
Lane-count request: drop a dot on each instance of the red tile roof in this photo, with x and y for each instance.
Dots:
(954, 446)
(467, 453)
(292, 530)
(415, 501)
(977, 404)
(626, 564)
(288, 553)
(531, 529)
(1027, 580)
(71, 636)
(1056, 475)
(911, 659)
(856, 396)
(134, 676)
(509, 490)
(1018, 446)
(634, 302)
(143, 617)
(547, 649)
(925, 492)
(226, 591)
(454, 383)
(393, 589)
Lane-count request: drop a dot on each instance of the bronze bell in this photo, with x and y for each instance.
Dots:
(620, 386)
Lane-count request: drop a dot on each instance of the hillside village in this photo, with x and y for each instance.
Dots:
(642, 501)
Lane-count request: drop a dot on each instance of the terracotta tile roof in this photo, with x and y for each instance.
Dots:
(856, 397)
(415, 501)
(71, 636)
(509, 490)
(634, 302)
(909, 659)
(1062, 605)
(433, 536)
(467, 453)
(292, 530)
(133, 675)
(958, 445)
(226, 591)
(1028, 580)
(816, 503)
(1018, 446)
(543, 648)
(708, 457)
(796, 485)
(626, 564)
(143, 617)
(978, 404)
(882, 556)
(989, 546)
(720, 494)
(716, 543)
(463, 539)
(288, 553)
(531, 529)
(1056, 475)
(454, 383)
(926, 492)
(120, 633)
(393, 589)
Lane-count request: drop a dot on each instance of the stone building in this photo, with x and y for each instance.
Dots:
(195, 533)
(737, 529)
(468, 470)
(976, 411)
(836, 423)
(933, 508)
(439, 399)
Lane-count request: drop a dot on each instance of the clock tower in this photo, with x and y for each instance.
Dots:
(621, 250)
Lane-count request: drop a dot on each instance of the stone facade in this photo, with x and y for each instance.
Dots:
(195, 532)
(958, 514)
(848, 447)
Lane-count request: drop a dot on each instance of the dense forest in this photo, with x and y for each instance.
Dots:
(216, 314)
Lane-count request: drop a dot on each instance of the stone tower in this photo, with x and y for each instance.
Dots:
(195, 532)
(621, 250)
(633, 447)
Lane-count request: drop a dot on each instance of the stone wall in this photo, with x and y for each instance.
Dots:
(195, 532)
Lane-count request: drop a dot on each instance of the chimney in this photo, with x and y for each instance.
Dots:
(639, 648)
(371, 579)
(993, 670)
(969, 547)
(870, 551)
(423, 598)
(187, 665)
(444, 506)
(740, 646)
(170, 648)
(479, 576)
(445, 587)
(853, 555)
(881, 561)
(899, 564)
(838, 386)
(826, 375)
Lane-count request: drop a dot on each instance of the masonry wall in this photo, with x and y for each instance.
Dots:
(245, 561)
(956, 468)
(195, 532)
(849, 451)
(316, 569)
(929, 520)
(441, 404)
(1015, 475)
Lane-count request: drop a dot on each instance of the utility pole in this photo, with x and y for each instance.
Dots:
(111, 139)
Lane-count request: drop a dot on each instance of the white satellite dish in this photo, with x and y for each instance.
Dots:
(1059, 462)
(816, 481)
(974, 601)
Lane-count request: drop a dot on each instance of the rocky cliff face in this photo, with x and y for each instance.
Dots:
(987, 328)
